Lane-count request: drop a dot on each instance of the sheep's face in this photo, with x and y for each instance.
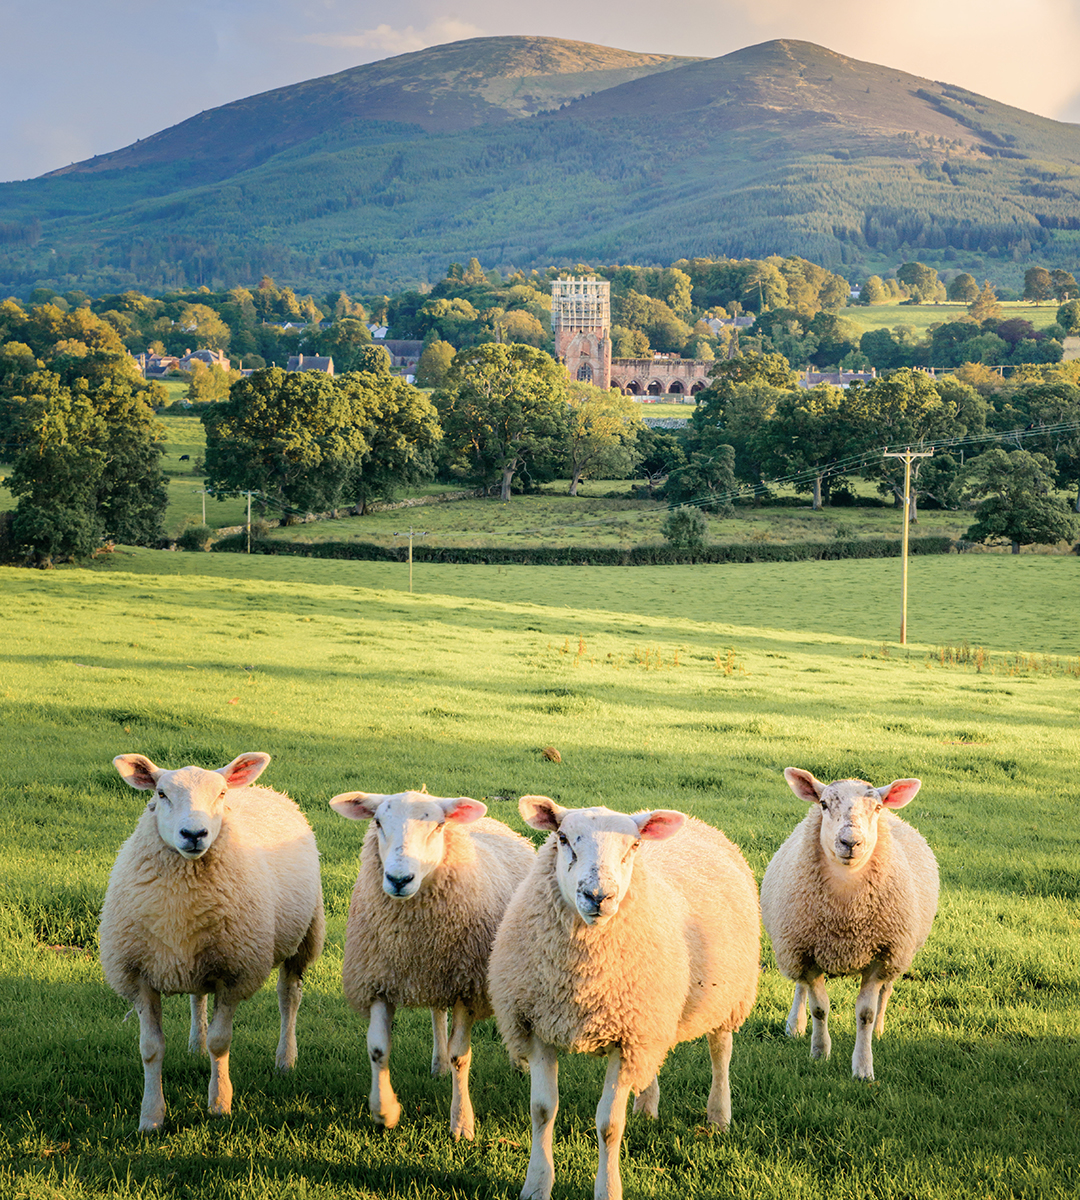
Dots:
(850, 812)
(189, 804)
(596, 848)
(411, 831)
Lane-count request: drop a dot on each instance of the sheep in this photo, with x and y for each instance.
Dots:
(218, 884)
(435, 876)
(622, 943)
(853, 891)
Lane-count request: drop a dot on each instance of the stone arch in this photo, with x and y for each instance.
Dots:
(585, 373)
(675, 387)
(633, 388)
(656, 388)
(697, 387)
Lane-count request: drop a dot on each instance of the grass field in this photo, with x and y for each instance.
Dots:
(678, 687)
(922, 316)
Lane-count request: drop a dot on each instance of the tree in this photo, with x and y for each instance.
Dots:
(707, 480)
(203, 328)
(208, 384)
(1068, 317)
(295, 438)
(1038, 285)
(435, 361)
(346, 341)
(807, 435)
(601, 434)
(919, 279)
(503, 407)
(402, 431)
(1064, 286)
(963, 288)
(1015, 501)
(874, 291)
(985, 306)
(685, 528)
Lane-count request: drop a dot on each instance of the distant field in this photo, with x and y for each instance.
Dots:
(680, 687)
(922, 316)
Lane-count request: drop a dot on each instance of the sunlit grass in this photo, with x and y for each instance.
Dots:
(678, 687)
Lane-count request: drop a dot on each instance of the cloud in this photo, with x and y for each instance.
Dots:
(390, 41)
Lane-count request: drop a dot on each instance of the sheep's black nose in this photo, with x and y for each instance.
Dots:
(193, 835)
(399, 882)
(592, 900)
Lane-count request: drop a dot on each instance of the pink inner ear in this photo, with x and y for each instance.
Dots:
(802, 784)
(662, 824)
(465, 810)
(135, 771)
(900, 792)
(355, 806)
(244, 771)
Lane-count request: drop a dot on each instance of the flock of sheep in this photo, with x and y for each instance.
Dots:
(621, 937)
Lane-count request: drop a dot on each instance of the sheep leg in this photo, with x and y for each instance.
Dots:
(796, 1020)
(543, 1105)
(718, 1109)
(610, 1123)
(197, 1037)
(866, 1012)
(385, 1109)
(152, 1050)
(820, 1042)
(648, 1101)
(290, 988)
(440, 1052)
(462, 1119)
(218, 1041)
(883, 1000)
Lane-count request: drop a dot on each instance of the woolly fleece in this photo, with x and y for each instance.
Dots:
(678, 960)
(887, 917)
(253, 901)
(431, 950)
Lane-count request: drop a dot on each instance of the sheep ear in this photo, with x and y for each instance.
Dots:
(245, 768)
(899, 792)
(541, 812)
(804, 785)
(137, 771)
(659, 824)
(462, 809)
(356, 806)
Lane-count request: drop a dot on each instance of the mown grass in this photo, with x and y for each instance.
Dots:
(921, 316)
(352, 683)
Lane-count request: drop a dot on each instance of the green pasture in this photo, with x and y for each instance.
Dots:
(922, 316)
(682, 687)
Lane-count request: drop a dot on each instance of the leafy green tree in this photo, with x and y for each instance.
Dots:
(1014, 500)
(1064, 286)
(402, 431)
(1038, 285)
(208, 384)
(1068, 317)
(661, 453)
(346, 341)
(685, 528)
(435, 361)
(963, 289)
(294, 438)
(874, 291)
(808, 434)
(985, 306)
(601, 434)
(201, 327)
(707, 480)
(919, 279)
(503, 407)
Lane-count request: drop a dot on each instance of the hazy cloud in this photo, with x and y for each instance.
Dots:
(389, 41)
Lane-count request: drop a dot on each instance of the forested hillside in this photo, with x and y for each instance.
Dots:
(375, 179)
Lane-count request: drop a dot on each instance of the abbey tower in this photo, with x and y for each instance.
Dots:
(581, 322)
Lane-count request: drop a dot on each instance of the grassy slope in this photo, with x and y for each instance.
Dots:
(352, 683)
(922, 316)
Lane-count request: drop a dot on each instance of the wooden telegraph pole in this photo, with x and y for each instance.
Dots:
(907, 455)
(412, 533)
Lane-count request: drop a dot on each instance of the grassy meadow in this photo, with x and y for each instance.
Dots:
(682, 687)
(922, 316)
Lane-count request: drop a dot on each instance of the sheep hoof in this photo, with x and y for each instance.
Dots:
(467, 1132)
(389, 1118)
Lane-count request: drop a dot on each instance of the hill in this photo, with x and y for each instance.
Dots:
(531, 151)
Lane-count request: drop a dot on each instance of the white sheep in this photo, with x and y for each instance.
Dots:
(218, 884)
(622, 943)
(435, 876)
(853, 891)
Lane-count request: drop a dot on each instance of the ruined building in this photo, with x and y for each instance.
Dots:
(581, 322)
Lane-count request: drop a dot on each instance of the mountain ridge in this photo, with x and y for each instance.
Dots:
(784, 147)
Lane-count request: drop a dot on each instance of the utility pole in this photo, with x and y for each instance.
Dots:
(248, 522)
(907, 455)
(418, 533)
(204, 493)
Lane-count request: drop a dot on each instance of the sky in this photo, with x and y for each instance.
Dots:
(81, 78)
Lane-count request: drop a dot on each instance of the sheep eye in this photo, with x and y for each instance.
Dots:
(630, 852)
(437, 828)
(161, 795)
(378, 826)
